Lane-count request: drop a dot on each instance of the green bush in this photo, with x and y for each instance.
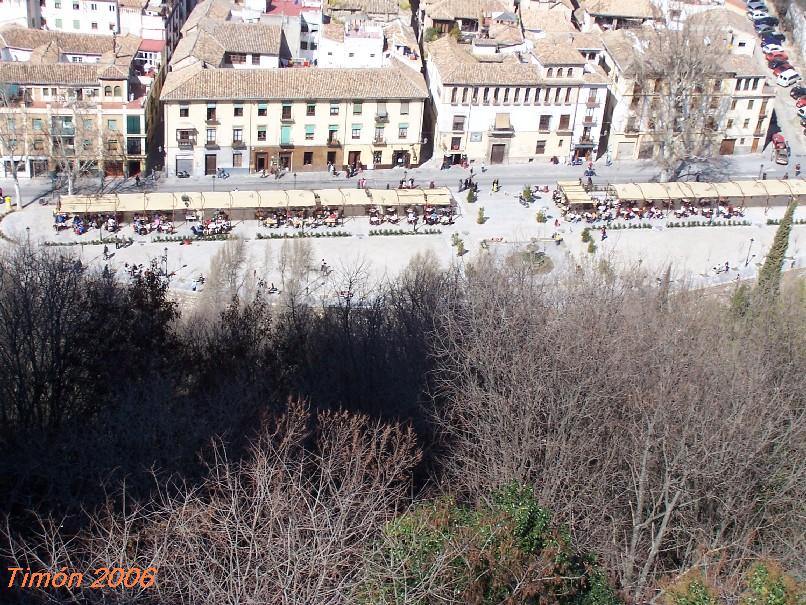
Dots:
(471, 196)
(586, 234)
(541, 216)
(591, 247)
(480, 216)
(431, 34)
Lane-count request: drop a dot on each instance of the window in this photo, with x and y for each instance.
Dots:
(255, 59)
(76, 59)
(107, 91)
(403, 131)
(334, 108)
(261, 133)
(237, 111)
(351, 55)
(57, 4)
(237, 58)
(111, 8)
(93, 6)
(261, 109)
(87, 124)
(117, 91)
(454, 92)
(458, 123)
(404, 108)
(358, 107)
(565, 119)
(75, 6)
(211, 135)
(567, 96)
(456, 143)
(356, 131)
(746, 123)
(58, 23)
(557, 95)
(93, 25)
(111, 27)
(307, 158)
(733, 104)
(464, 95)
(517, 95)
(550, 72)
(540, 148)
(286, 115)
(310, 129)
(76, 24)
(310, 109)
(763, 110)
(237, 160)
(729, 124)
(526, 95)
(750, 104)
(379, 134)
(377, 157)
(237, 135)
(37, 123)
(184, 112)
(112, 144)
(112, 124)
(211, 115)
(545, 123)
(303, 45)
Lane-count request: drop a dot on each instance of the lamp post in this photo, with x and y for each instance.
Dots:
(214, 183)
(747, 258)
(165, 262)
(295, 180)
(760, 171)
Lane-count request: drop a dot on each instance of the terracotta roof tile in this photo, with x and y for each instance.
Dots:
(294, 83)
(635, 9)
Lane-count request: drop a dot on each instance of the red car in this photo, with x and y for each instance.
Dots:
(801, 102)
(781, 69)
(776, 54)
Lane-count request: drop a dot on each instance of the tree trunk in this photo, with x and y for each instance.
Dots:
(17, 192)
(69, 183)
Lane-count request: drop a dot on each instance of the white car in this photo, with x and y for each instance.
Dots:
(757, 14)
(802, 112)
(771, 48)
(756, 5)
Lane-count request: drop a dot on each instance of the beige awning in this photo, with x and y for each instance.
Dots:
(384, 197)
(410, 197)
(329, 197)
(273, 199)
(502, 121)
(440, 196)
(301, 198)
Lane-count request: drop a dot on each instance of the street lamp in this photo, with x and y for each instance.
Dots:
(747, 259)
(165, 262)
(295, 180)
(760, 170)
(213, 182)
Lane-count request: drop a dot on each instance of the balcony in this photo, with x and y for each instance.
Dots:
(381, 117)
(185, 143)
(134, 147)
(585, 140)
(211, 145)
(286, 118)
(379, 141)
(286, 145)
(212, 120)
(589, 120)
(238, 145)
(457, 127)
(592, 103)
(333, 142)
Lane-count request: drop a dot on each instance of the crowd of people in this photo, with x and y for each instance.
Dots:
(143, 224)
(607, 209)
(321, 217)
(80, 224)
(217, 225)
(430, 215)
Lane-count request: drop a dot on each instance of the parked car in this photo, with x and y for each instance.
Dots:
(798, 92)
(757, 14)
(766, 21)
(802, 113)
(771, 47)
(756, 4)
(788, 78)
(775, 37)
(776, 54)
(764, 29)
(783, 69)
(777, 63)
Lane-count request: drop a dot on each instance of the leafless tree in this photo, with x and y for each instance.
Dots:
(664, 434)
(15, 135)
(291, 524)
(679, 96)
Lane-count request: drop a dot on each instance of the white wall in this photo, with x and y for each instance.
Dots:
(60, 15)
(21, 12)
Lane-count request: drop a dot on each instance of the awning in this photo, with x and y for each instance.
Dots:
(329, 197)
(441, 196)
(355, 197)
(410, 197)
(299, 198)
(384, 197)
(273, 199)
(502, 121)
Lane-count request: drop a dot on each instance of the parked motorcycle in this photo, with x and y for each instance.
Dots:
(222, 174)
(590, 172)
(183, 174)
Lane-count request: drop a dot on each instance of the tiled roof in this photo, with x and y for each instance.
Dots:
(294, 83)
(578, 40)
(743, 65)
(82, 44)
(634, 9)
(548, 52)
(333, 31)
(449, 10)
(370, 7)
(401, 35)
(214, 9)
(721, 18)
(258, 38)
(136, 4)
(546, 20)
(78, 74)
(457, 66)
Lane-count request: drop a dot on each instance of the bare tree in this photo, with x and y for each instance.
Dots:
(665, 435)
(291, 524)
(678, 96)
(15, 134)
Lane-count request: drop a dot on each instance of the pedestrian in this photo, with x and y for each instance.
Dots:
(471, 171)
(401, 184)
(797, 169)
(324, 266)
(786, 175)
(137, 180)
(604, 234)
(556, 222)
(461, 185)
(106, 252)
(411, 183)
(727, 267)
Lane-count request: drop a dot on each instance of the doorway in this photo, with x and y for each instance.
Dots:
(209, 164)
(331, 157)
(285, 160)
(727, 146)
(354, 158)
(497, 154)
(400, 158)
(261, 162)
(134, 167)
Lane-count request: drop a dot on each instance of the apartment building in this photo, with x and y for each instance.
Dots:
(608, 15)
(20, 12)
(741, 100)
(73, 100)
(515, 107)
(358, 42)
(299, 119)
